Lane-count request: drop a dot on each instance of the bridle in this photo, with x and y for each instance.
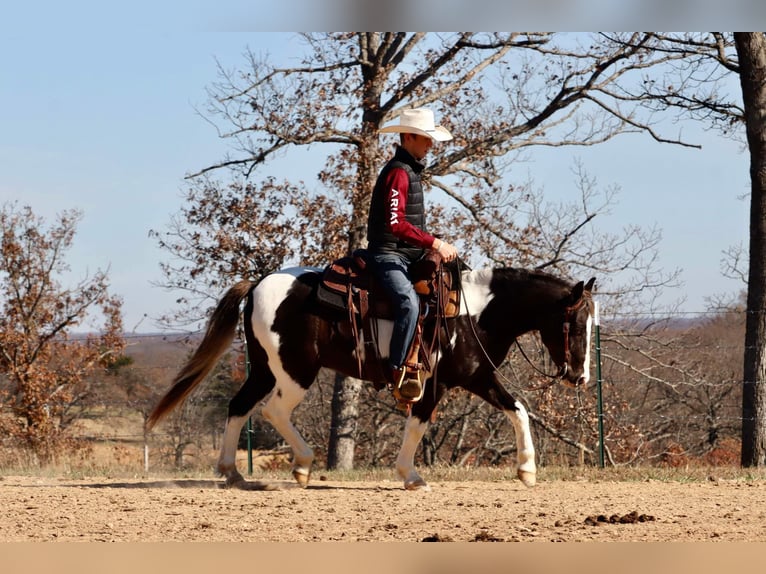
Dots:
(570, 312)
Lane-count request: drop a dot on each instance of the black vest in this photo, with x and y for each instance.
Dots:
(379, 238)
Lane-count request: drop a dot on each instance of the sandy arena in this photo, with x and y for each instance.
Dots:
(184, 510)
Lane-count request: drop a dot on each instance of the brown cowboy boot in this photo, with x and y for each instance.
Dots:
(408, 387)
(406, 384)
(411, 387)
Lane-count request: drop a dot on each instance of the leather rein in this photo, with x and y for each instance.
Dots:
(569, 313)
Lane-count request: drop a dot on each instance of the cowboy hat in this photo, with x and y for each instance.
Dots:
(419, 121)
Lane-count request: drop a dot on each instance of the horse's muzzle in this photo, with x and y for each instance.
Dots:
(571, 379)
(582, 381)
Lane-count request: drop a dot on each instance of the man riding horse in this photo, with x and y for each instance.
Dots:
(397, 237)
(291, 334)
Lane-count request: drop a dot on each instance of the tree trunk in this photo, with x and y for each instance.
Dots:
(346, 391)
(751, 50)
(179, 455)
(345, 415)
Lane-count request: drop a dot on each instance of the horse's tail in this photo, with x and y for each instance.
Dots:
(220, 332)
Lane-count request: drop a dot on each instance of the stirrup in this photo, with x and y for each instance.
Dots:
(409, 388)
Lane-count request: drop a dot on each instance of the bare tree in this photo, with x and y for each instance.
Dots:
(46, 370)
(695, 88)
(500, 94)
(751, 49)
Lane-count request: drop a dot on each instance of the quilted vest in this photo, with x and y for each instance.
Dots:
(379, 238)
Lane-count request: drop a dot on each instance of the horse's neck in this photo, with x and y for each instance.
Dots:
(518, 299)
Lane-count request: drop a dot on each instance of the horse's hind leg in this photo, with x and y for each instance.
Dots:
(259, 383)
(277, 411)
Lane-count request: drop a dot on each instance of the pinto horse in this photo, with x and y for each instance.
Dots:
(290, 337)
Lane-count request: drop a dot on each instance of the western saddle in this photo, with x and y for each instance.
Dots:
(348, 286)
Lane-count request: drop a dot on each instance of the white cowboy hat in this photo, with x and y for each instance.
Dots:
(419, 121)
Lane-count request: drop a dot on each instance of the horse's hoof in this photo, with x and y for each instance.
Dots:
(527, 478)
(418, 484)
(301, 477)
(237, 482)
(233, 478)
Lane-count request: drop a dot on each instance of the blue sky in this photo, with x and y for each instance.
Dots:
(106, 123)
(104, 120)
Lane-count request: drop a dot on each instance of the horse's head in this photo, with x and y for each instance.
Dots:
(567, 332)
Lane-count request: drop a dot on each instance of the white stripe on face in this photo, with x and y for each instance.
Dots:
(586, 366)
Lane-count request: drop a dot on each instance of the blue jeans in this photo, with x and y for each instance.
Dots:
(391, 270)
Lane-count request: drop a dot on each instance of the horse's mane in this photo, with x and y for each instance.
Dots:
(535, 275)
(517, 275)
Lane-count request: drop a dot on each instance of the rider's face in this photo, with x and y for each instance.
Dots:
(417, 145)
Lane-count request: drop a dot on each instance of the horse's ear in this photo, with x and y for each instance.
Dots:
(576, 293)
(589, 284)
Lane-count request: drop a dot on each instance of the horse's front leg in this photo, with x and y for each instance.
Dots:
(496, 395)
(527, 468)
(414, 429)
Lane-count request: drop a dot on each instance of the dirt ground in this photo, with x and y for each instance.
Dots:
(184, 510)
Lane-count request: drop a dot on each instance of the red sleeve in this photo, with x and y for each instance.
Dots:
(398, 185)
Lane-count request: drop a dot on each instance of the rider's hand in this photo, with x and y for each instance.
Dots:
(447, 251)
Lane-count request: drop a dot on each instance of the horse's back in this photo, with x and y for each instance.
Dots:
(279, 294)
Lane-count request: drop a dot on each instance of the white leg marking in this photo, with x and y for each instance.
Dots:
(227, 463)
(527, 469)
(405, 462)
(286, 396)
